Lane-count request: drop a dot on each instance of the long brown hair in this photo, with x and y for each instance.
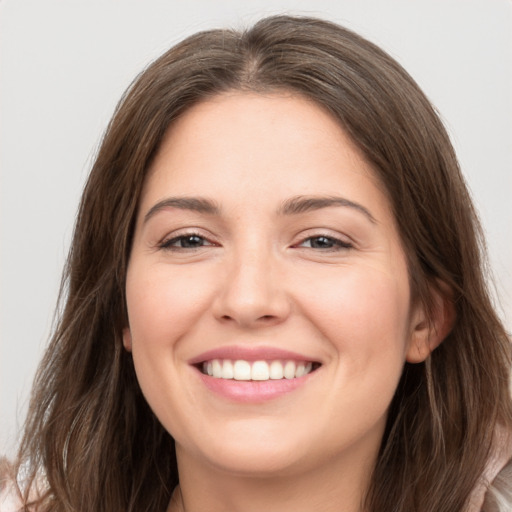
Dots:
(90, 437)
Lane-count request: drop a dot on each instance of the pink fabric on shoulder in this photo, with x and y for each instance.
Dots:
(499, 459)
(9, 499)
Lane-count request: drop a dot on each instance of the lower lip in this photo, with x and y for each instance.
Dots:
(253, 391)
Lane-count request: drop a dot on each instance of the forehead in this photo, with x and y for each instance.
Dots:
(250, 144)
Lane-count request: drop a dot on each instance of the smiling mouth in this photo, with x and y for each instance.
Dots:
(243, 370)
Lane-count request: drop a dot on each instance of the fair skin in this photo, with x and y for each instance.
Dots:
(260, 263)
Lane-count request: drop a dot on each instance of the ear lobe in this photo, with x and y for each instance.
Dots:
(428, 334)
(127, 339)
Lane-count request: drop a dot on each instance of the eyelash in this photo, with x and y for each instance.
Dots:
(335, 244)
(169, 244)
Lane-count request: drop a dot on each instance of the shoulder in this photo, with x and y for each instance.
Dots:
(497, 477)
(10, 500)
(498, 497)
(493, 492)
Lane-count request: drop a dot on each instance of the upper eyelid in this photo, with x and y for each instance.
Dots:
(188, 231)
(322, 232)
(177, 234)
(330, 237)
(338, 240)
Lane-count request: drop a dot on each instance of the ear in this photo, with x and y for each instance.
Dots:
(127, 339)
(427, 334)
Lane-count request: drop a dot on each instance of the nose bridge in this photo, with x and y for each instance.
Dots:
(252, 292)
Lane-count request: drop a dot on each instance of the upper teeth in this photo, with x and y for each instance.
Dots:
(255, 370)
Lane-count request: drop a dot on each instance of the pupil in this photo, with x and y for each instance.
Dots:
(321, 242)
(191, 241)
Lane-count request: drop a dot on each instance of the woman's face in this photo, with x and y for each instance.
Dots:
(266, 253)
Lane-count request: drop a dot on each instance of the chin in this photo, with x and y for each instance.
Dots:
(256, 462)
(248, 453)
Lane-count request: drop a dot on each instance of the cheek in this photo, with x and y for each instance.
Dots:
(364, 326)
(163, 305)
(365, 317)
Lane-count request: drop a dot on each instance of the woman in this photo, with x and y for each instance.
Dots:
(274, 298)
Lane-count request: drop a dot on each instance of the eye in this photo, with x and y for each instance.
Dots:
(323, 242)
(186, 241)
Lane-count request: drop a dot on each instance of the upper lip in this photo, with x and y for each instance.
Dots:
(249, 353)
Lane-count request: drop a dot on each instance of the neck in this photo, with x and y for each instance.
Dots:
(335, 486)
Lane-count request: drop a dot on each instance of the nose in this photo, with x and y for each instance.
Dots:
(253, 293)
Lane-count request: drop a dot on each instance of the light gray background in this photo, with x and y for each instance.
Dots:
(64, 65)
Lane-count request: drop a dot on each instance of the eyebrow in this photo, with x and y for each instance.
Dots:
(303, 204)
(196, 204)
(293, 206)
